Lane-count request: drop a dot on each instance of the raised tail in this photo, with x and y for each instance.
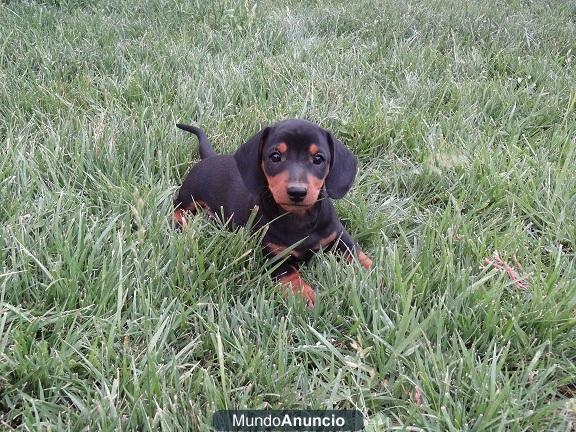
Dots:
(206, 149)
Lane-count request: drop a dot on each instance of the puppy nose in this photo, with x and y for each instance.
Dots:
(297, 193)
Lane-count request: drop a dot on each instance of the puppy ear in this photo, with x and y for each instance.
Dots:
(343, 166)
(248, 158)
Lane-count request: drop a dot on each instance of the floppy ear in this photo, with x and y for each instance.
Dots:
(342, 168)
(248, 158)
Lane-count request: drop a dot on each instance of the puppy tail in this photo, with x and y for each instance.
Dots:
(206, 149)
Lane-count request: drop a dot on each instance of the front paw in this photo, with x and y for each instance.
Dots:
(361, 257)
(364, 260)
(298, 285)
(308, 293)
(179, 219)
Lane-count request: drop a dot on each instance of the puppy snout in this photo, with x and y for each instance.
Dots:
(297, 193)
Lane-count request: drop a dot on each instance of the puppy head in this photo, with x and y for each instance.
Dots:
(295, 160)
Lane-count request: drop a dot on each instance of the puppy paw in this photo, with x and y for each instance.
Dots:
(364, 260)
(179, 219)
(298, 286)
(308, 293)
(361, 257)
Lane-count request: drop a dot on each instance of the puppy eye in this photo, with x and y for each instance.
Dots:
(275, 157)
(318, 159)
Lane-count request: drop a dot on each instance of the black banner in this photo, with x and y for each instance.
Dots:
(289, 420)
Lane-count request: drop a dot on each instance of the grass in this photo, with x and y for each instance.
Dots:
(463, 115)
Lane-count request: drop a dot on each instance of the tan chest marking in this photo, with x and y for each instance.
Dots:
(277, 249)
(326, 241)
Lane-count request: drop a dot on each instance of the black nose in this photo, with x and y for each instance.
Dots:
(297, 193)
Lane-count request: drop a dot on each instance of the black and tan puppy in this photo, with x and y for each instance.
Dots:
(289, 171)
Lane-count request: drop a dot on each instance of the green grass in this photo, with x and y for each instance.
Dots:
(463, 115)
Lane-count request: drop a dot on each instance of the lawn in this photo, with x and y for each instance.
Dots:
(463, 117)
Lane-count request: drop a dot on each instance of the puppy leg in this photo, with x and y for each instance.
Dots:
(289, 277)
(349, 248)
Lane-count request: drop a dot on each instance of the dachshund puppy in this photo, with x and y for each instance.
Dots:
(288, 171)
